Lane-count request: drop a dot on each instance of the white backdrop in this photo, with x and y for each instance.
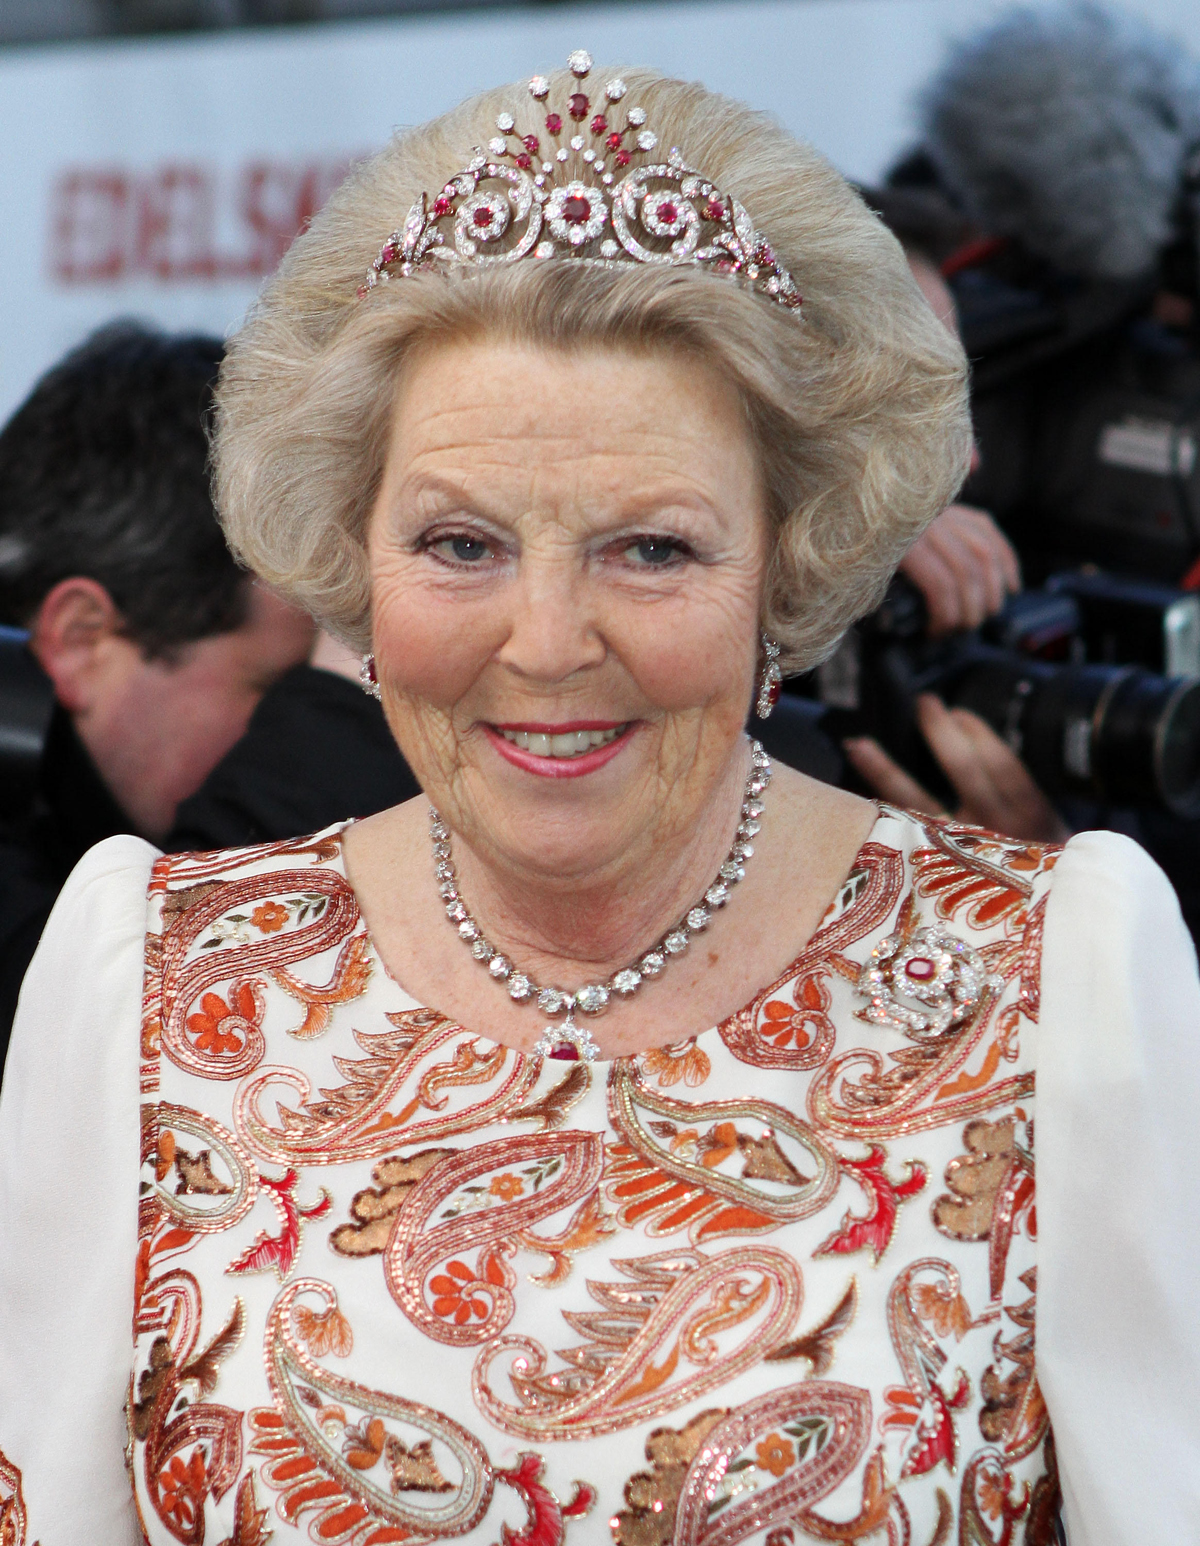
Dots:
(162, 179)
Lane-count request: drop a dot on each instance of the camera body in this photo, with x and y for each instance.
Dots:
(1093, 681)
(1087, 415)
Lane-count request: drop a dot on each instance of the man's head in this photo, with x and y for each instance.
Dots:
(158, 645)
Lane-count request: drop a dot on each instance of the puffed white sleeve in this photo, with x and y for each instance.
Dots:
(69, 1162)
(1118, 1176)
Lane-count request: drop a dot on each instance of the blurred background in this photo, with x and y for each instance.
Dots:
(157, 156)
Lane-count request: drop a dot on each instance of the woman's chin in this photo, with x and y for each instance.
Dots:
(566, 829)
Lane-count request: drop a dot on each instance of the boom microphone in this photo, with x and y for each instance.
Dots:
(1072, 130)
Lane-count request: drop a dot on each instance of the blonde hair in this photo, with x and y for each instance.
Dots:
(858, 407)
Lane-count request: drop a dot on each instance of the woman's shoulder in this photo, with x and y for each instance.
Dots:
(1112, 868)
(285, 859)
(1096, 879)
(1110, 903)
(945, 854)
(117, 863)
(103, 898)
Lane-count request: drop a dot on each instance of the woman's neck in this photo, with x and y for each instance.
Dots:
(576, 929)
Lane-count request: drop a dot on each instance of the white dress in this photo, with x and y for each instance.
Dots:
(355, 1275)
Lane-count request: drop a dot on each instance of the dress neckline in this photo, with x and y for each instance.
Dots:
(882, 814)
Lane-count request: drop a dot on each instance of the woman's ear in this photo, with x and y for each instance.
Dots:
(71, 637)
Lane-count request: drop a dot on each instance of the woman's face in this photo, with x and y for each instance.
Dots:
(567, 553)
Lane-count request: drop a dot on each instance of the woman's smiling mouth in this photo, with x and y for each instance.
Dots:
(562, 743)
(559, 751)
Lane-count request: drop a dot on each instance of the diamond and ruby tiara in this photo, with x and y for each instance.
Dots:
(521, 198)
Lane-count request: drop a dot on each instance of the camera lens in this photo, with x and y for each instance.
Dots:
(1177, 752)
(1117, 734)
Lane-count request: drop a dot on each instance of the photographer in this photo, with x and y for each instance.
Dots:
(1061, 155)
(964, 569)
(1065, 144)
(156, 647)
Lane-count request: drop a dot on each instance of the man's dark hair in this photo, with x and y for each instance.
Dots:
(104, 473)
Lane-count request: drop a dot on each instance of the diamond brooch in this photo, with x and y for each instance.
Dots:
(568, 1040)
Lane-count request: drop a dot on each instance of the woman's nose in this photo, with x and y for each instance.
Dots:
(553, 627)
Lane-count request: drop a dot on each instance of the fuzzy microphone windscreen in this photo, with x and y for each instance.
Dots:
(1068, 128)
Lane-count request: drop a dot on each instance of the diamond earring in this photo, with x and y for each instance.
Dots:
(769, 680)
(366, 675)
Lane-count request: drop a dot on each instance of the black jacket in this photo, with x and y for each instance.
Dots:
(72, 809)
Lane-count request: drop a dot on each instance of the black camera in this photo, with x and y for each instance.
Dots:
(1093, 681)
(1087, 414)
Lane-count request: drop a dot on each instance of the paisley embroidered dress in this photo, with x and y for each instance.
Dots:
(779, 1283)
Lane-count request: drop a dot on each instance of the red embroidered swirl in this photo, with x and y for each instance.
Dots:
(659, 1189)
(186, 982)
(419, 1245)
(220, 1204)
(742, 1033)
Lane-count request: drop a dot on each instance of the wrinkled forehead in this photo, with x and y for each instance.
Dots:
(535, 404)
(592, 429)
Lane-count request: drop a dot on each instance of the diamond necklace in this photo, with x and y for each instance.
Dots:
(573, 1041)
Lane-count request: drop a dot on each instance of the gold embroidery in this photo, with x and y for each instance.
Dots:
(1014, 1411)
(221, 1037)
(376, 1207)
(351, 974)
(668, 1309)
(450, 1212)
(191, 1449)
(250, 1521)
(204, 1200)
(652, 1496)
(817, 1345)
(354, 1121)
(806, 1438)
(685, 1060)
(991, 1192)
(922, 1408)
(664, 1173)
(302, 1461)
(756, 1034)
(552, 1108)
(990, 1502)
(14, 1521)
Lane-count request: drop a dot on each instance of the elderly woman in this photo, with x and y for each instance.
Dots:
(630, 1141)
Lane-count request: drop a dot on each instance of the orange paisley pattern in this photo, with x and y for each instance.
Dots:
(398, 1283)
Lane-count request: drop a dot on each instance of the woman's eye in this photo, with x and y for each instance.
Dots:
(654, 552)
(462, 549)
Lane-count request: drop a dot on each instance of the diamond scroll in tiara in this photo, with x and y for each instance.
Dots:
(589, 191)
